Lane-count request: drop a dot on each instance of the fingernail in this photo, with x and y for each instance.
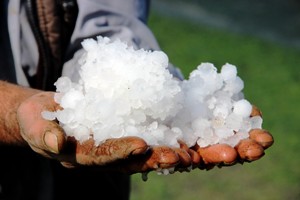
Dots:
(141, 150)
(51, 142)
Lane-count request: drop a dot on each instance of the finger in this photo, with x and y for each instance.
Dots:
(262, 137)
(38, 132)
(185, 160)
(255, 111)
(109, 151)
(249, 150)
(217, 154)
(183, 145)
(41, 152)
(154, 159)
(162, 157)
(68, 165)
(195, 157)
(112, 150)
(157, 158)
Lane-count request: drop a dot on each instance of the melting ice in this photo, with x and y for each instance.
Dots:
(125, 92)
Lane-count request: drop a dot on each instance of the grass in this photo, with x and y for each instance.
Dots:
(272, 82)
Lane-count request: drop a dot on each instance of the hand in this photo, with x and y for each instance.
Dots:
(128, 154)
(246, 150)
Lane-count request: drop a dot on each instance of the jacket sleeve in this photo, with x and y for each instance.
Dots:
(122, 19)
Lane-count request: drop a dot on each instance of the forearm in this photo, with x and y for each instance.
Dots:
(10, 98)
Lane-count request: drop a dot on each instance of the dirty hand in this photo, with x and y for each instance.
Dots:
(128, 154)
(246, 150)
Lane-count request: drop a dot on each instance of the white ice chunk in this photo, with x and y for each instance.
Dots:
(256, 122)
(242, 108)
(235, 139)
(228, 72)
(63, 84)
(234, 86)
(70, 99)
(48, 115)
(65, 116)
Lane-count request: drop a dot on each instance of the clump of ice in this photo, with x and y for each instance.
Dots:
(120, 92)
(126, 92)
(215, 110)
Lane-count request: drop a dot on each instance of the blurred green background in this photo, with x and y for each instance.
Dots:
(269, 67)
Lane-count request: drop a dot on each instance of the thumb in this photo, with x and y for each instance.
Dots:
(39, 133)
